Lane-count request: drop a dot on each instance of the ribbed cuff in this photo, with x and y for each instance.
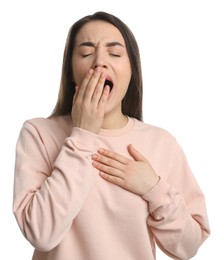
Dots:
(157, 192)
(82, 139)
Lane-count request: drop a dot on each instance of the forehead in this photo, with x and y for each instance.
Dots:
(99, 32)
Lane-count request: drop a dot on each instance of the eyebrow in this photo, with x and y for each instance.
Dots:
(108, 44)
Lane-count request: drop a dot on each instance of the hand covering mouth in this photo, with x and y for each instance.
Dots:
(109, 83)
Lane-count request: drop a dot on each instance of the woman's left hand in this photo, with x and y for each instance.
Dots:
(135, 175)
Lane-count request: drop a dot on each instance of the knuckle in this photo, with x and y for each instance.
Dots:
(109, 161)
(110, 171)
(98, 91)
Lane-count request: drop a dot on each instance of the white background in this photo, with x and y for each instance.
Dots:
(182, 51)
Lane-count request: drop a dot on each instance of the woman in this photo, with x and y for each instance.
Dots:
(93, 181)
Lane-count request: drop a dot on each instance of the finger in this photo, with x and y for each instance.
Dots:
(108, 169)
(118, 157)
(104, 98)
(112, 179)
(136, 154)
(99, 89)
(100, 159)
(82, 88)
(76, 94)
(91, 86)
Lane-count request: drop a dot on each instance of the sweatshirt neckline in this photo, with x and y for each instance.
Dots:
(119, 131)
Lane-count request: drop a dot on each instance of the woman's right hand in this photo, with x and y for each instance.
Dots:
(89, 101)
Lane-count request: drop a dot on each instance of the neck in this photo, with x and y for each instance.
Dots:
(114, 121)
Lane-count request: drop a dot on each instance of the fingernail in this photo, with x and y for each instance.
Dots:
(94, 156)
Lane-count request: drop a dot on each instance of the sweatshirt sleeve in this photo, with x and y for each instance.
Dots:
(177, 211)
(48, 197)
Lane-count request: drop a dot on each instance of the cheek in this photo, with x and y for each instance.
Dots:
(79, 69)
(126, 78)
(79, 73)
(127, 72)
(126, 82)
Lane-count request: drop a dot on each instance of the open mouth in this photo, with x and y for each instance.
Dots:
(109, 83)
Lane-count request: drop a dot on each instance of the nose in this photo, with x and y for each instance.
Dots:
(99, 60)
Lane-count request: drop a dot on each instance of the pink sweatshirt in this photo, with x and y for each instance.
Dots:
(68, 212)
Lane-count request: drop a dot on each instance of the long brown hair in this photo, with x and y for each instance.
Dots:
(132, 102)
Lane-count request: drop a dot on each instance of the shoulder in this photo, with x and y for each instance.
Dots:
(153, 131)
(159, 143)
(49, 133)
(49, 121)
(49, 124)
(54, 128)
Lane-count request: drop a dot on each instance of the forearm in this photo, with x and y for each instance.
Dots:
(45, 204)
(178, 232)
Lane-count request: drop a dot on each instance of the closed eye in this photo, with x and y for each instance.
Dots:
(115, 55)
(86, 55)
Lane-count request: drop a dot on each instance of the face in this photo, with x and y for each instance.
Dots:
(100, 44)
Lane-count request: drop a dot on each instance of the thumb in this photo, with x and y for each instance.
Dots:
(136, 154)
